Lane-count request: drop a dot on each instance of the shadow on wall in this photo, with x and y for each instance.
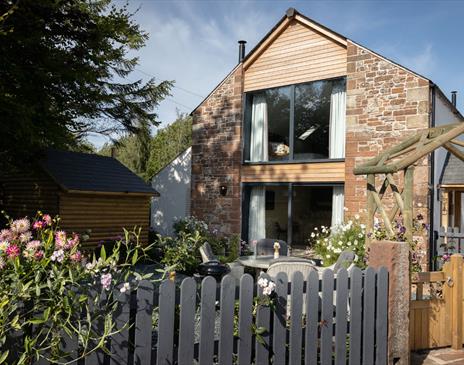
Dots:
(173, 184)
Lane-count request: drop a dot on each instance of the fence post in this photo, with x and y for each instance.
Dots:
(395, 257)
(457, 298)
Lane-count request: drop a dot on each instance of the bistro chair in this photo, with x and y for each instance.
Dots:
(265, 247)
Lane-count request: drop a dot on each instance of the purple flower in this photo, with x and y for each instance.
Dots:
(105, 281)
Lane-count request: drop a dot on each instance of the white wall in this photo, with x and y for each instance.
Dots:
(443, 115)
(173, 184)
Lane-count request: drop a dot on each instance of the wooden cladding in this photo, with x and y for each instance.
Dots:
(105, 216)
(298, 54)
(295, 172)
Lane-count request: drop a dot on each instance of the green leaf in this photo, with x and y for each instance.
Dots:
(3, 356)
(103, 253)
(260, 330)
(135, 257)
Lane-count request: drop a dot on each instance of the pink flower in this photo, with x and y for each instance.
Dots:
(60, 239)
(39, 255)
(20, 225)
(71, 242)
(5, 235)
(105, 281)
(47, 219)
(12, 251)
(38, 225)
(33, 245)
(76, 257)
(25, 237)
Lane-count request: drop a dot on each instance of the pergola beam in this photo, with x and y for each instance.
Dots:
(455, 151)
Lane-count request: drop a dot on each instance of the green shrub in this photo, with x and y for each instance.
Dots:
(47, 283)
(328, 243)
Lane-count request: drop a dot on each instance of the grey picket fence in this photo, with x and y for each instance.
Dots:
(320, 319)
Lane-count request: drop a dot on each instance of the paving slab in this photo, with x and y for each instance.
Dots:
(438, 357)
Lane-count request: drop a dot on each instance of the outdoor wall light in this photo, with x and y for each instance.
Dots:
(223, 190)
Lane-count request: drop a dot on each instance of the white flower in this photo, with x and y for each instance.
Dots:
(105, 281)
(125, 287)
(90, 265)
(262, 282)
(349, 243)
(269, 288)
(313, 235)
(355, 242)
(57, 256)
(327, 256)
(363, 226)
(356, 216)
(345, 209)
(360, 235)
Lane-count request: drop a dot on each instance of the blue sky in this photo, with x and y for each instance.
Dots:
(194, 42)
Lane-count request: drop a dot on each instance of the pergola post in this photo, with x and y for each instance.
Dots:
(408, 201)
(370, 208)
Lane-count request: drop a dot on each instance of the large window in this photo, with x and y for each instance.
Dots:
(300, 122)
(290, 212)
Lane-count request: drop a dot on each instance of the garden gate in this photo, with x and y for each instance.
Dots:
(320, 319)
(436, 310)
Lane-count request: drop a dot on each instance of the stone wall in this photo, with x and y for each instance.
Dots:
(385, 104)
(216, 156)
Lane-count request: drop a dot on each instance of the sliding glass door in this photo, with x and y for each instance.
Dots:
(290, 212)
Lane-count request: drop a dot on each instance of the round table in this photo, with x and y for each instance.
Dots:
(257, 262)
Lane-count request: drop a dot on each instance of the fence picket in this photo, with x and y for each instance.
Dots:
(296, 316)
(167, 305)
(98, 356)
(245, 320)
(341, 314)
(368, 316)
(120, 340)
(143, 323)
(280, 319)
(226, 340)
(263, 316)
(356, 287)
(381, 324)
(312, 318)
(327, 317)
(188, 292)
(207, 320)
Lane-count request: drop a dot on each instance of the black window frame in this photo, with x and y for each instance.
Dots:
(247, 127)
(245, 188)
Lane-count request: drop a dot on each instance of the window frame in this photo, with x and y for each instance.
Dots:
(247, 99)
(245, 188)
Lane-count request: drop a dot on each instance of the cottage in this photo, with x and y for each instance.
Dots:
(275, 143)
(90, 193)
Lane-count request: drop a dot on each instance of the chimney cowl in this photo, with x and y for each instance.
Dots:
(241, 50)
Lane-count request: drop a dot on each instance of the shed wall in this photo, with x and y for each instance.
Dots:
(105, 215)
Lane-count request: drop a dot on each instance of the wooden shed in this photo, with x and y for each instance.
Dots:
(91, 193)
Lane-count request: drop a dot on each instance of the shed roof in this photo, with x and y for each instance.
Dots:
(78, 171)
(453, 171)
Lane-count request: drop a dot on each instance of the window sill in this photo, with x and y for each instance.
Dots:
(323, 160)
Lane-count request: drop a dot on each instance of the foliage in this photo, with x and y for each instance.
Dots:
(329, 242)
(168, 143)
(182, 250)
(47, 283)
(63, 66)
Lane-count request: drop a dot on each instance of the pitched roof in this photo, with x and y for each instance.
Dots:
(453, 171)
(292, 13)
(91, 172)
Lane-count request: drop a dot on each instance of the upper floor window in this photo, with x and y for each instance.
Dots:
(299, 122)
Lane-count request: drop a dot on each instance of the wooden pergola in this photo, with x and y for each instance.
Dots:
(401, 159)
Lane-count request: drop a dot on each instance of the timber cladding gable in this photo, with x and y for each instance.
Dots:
(296, 52)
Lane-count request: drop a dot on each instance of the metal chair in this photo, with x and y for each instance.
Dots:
(265, 247)
(345, 260)
(207, 254)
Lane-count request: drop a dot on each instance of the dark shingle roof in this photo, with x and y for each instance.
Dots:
(91, 172)
(453, 171)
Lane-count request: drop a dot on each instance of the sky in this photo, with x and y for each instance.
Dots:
(194, 43)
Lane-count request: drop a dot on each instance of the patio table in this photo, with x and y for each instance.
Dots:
(256, 262)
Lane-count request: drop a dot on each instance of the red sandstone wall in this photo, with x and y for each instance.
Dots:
(216, 156)
(385, 105)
